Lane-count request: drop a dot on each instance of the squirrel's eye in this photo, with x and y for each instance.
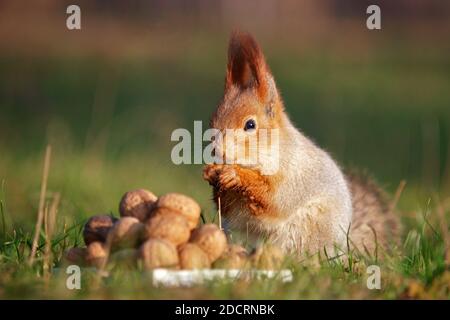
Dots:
(250, 125)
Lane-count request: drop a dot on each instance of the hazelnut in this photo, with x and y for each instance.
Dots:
(234, 257)
(210, 239)
(137, 203)
(267, 257)
(126, 233)
(192, 257)
(158, 253)
(76, 256)
(96, 254)
(97, 228)
(168, 225)
(182, 204)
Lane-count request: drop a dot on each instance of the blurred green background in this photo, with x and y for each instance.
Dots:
(108, 96)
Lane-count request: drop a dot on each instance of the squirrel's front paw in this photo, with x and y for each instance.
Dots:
(229, 178)
(211, 173)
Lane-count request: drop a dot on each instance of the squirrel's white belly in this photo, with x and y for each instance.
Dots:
(308, 230)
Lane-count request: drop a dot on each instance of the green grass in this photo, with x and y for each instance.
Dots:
(416, 270)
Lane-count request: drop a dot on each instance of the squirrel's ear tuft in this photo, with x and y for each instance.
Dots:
(246, 64)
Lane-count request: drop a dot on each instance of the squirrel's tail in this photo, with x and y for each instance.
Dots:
(375, 225)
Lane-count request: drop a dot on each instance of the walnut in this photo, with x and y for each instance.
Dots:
(210, 239)
(158, 253)
(137, 203)
(234, 257)
(192, 257)
(165, 224)
(126, 233)
(182, 204)
(96, 254)
(97, 228)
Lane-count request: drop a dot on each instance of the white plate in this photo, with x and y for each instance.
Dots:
(187, 278)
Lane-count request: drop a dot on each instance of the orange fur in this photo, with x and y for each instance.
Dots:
(248, 91)
(244, 183)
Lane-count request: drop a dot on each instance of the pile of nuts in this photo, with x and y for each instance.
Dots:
(163, 233)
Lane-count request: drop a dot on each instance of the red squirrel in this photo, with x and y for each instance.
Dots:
(308, 204)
